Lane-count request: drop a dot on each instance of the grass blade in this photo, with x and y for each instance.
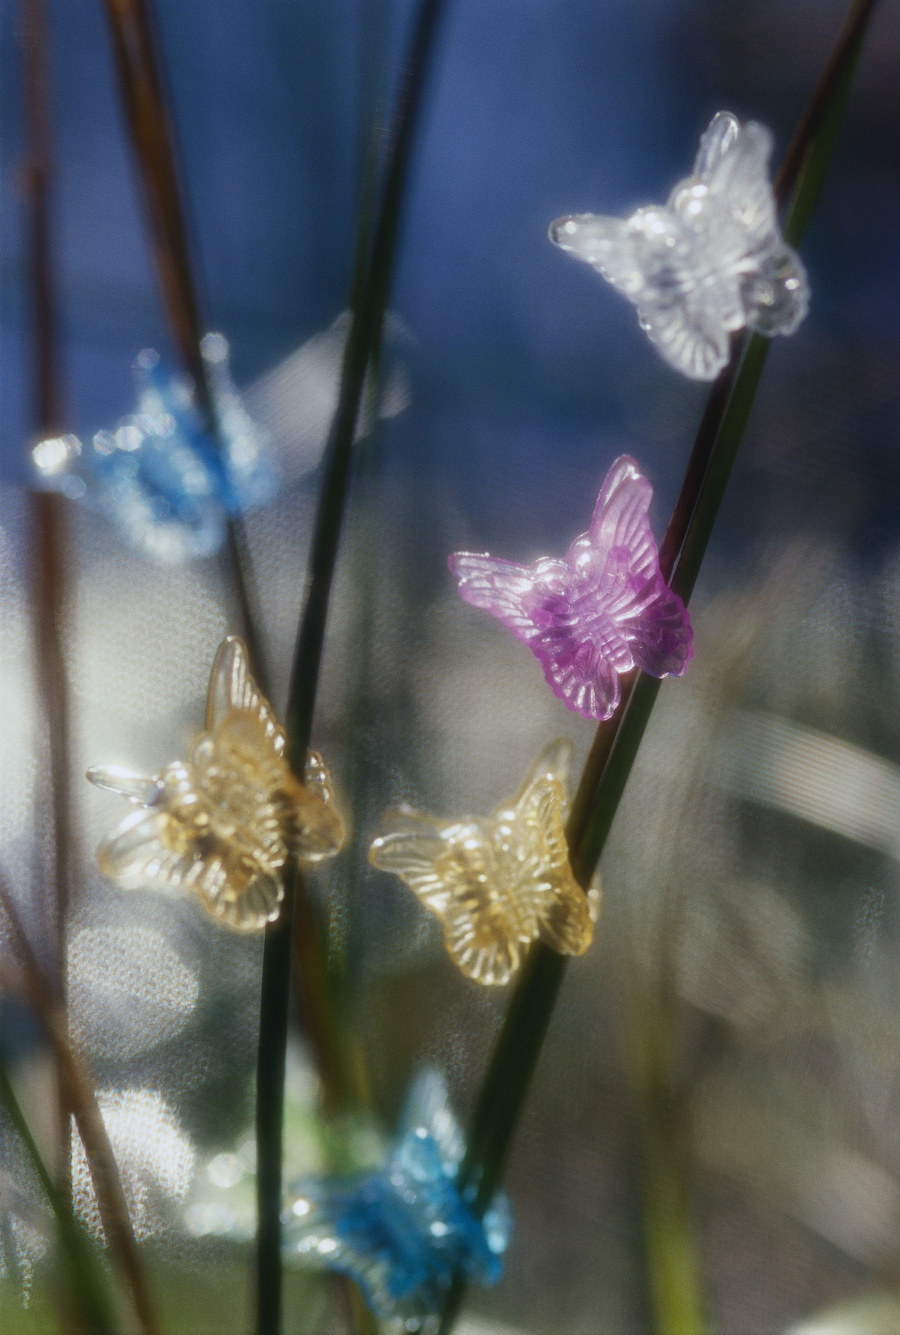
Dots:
(610, 761)
(361, 352)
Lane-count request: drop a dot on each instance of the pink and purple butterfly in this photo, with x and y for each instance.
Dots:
(600, 611)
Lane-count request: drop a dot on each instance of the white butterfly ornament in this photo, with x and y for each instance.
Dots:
(707, 263)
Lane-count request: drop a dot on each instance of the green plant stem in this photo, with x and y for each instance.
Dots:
(360, 353)
(362, 344)
(675, 1289)
(88, 1287)
(609, 764)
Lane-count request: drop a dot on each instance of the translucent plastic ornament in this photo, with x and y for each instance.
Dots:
(601, 610)
(160, 476)
(402, 1231)
(707, 263)
(223, 823)
(499, 883)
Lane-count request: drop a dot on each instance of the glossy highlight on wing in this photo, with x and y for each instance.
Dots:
(601, 611)
(401, 1229)
(232, 688)
(738, 176)
(511, 592)
(449, 868)
(223, 823)
(709, 262)
(496, 884)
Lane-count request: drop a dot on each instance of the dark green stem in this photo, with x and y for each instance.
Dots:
(88, 1288)
(675, 1291)
(360, 353)
(362, 343)
(612, 756)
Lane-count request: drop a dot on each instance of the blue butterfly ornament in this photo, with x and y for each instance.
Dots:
(402, 1231)
(160, 476)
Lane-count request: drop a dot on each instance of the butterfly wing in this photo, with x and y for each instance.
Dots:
(715, 142)
(157, 847)
(126, 782)
(450, 869)
(635, 614)
(613, 246)
(536, 603)
(517, 595)
(620, 521)
(138, 851)
(736, 172)
(773, 287)
(553, 762)
(321, 831)
(655, 261)
(559, 906)
(232, 687)
(427, 1108)
(689, 335)
(244, 903)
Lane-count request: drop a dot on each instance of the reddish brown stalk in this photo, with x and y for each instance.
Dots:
(153, 142)
(82, 1100)
(48, 519)
(141, 88)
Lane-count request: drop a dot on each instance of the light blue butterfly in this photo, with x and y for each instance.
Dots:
(402, 1231)
(167, 485)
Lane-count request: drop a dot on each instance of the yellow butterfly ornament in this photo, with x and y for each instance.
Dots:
(222, 823)
(499, 883)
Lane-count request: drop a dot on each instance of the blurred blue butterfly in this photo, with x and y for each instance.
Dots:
(168, 486)
(403, 1231)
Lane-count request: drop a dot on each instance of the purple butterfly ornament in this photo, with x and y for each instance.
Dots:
(601, 610)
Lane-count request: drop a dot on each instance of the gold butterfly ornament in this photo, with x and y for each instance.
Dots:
(498, 883)
(223, 823)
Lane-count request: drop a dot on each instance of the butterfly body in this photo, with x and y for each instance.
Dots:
(708, 262)
(224, 822)
(597, 613)
(500, 883)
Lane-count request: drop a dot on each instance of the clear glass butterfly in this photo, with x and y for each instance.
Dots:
(499, 883)
(402, 1231)
(708, 262)
(223, 823)
(601, 610)
(159, 475)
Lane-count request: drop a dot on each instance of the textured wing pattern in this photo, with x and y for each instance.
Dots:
(601, 611)
(402, 1230)
(496, 884)
(450, 868)
(559, 907)
(223, 823)
(708, 262)
(518, 595)
(233, 689)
